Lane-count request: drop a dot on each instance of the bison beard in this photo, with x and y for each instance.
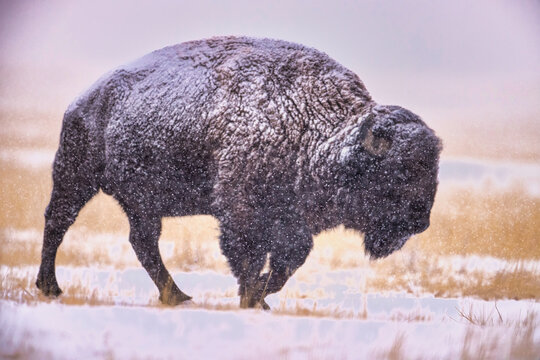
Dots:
(275, 140)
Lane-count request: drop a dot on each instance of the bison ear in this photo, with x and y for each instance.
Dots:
(368, 141)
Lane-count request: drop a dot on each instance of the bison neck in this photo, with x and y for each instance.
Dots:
(325, 195)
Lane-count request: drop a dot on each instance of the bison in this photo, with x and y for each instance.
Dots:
(274, 139)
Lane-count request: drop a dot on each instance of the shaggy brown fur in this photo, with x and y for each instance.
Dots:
(276, 140)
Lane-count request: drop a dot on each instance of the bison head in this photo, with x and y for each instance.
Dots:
(391, 160)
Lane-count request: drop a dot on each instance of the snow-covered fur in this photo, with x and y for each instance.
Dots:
(276, 140)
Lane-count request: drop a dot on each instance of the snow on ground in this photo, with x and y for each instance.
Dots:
(345, 323)
(130, 332)
(141, 332)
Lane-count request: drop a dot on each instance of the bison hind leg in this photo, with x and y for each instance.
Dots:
(76, 172)
(61, 212)
(144, 236)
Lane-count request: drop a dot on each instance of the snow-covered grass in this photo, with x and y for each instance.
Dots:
(442, 329)
(411, 270)
(326, 314)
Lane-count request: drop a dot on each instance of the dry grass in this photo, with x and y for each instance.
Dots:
(493, 317)
(481, 318)
(193, 244)
(518, 341)
(488, 336)
(19, 287)
(501, 224)
(428, 274)
(514, 283)
(477, 347)
(396, 350)
(300, 309)
(523, 344)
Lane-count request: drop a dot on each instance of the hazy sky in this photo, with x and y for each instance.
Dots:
(436, 57)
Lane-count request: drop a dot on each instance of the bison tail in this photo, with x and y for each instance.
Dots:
(77, 164)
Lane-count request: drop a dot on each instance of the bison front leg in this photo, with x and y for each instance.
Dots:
(246, 253)
(144, 235)
(291, 243)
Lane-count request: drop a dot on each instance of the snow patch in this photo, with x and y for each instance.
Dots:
(68, 332)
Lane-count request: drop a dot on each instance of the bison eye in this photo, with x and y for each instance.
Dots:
(418, 206)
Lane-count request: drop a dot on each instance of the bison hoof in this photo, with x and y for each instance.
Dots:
(247, 303)
(174, 298)
(49, 287)
(264, 305)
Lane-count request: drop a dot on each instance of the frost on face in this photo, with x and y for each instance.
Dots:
(276, 140)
